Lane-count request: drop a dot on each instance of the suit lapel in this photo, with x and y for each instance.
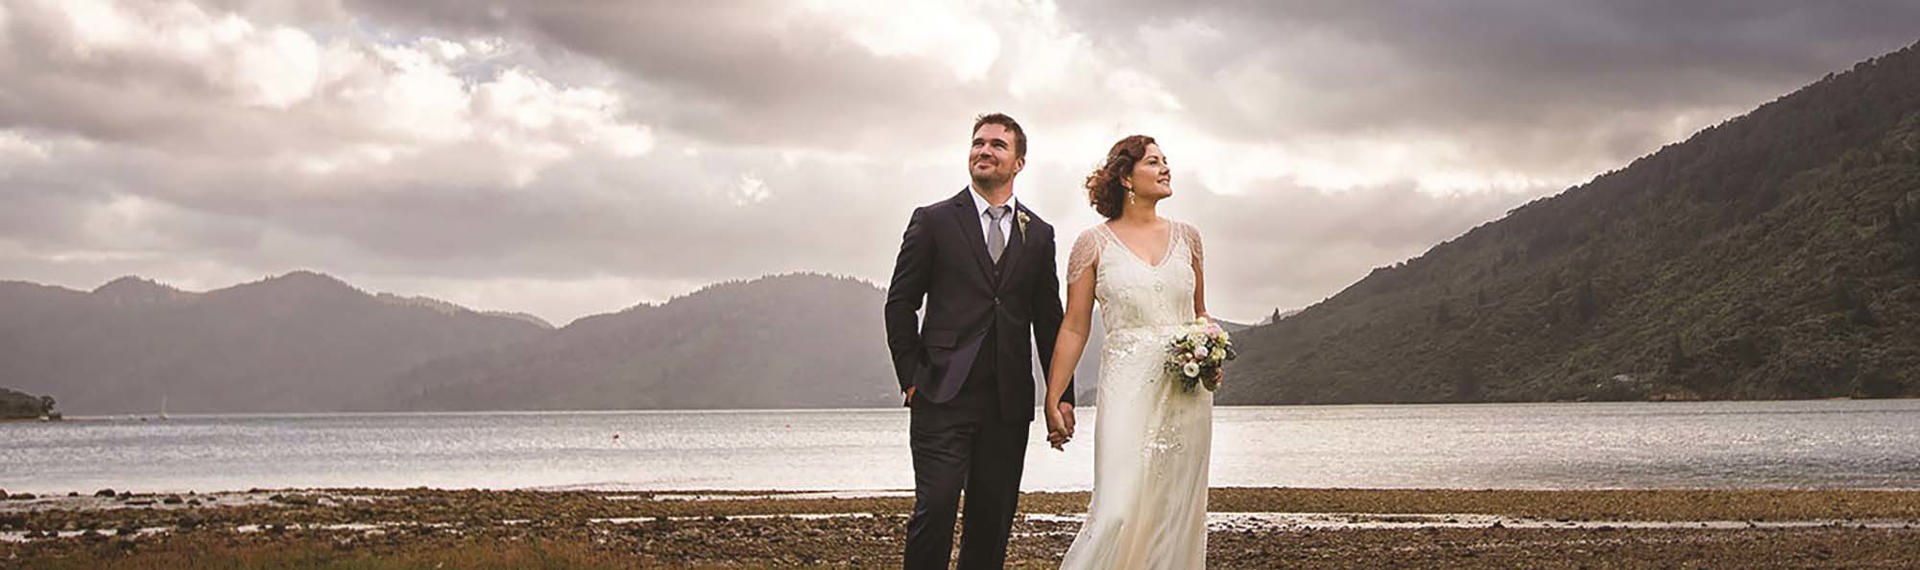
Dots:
(969, 220)
(1016, 244)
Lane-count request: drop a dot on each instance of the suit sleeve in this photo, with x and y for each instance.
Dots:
(1048, 313)
(912, 272)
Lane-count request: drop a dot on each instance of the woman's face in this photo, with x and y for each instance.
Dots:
(1151, 179)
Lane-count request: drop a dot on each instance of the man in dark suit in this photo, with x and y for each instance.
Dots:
(984, 264)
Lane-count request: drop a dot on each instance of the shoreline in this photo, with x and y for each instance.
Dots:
(34, 420)
(178, 414)
(1250, 527)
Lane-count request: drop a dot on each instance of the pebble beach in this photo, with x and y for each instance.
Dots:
(1248, 528)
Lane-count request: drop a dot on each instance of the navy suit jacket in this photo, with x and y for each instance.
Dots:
(943, 261)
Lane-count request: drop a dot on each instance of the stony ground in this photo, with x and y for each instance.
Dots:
(422, 528)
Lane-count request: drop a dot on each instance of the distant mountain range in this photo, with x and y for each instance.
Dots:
(791, 341)
(1776, 255)
(298, 342)
(310, 342)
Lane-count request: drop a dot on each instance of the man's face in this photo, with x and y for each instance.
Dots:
(991, 161)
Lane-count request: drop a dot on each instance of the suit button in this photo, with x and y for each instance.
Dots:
(996, 301)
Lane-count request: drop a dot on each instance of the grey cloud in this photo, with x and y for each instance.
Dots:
(743, 73)
(665, 217)
(1584, 77)
(836, 133)
(164, 134)
(732, 72)
(1284, 246)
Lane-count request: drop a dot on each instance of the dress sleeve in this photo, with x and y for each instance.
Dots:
(1085, 255)
(1193, 244)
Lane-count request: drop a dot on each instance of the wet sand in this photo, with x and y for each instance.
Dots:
(1249, 528)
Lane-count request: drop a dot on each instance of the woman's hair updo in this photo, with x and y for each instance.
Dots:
(1104, 190)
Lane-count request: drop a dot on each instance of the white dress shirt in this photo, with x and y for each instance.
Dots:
(980, 206)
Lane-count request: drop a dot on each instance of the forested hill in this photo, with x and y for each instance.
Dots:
(1776, 255)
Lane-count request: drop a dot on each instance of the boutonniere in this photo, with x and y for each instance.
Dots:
(1021, 217)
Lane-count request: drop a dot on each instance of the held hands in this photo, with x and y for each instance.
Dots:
(1059, 423)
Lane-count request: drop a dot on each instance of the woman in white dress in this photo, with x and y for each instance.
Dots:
(1151, 441)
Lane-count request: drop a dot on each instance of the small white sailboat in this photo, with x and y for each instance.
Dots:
(163, 406)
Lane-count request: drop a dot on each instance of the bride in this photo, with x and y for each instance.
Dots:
(1152, 436)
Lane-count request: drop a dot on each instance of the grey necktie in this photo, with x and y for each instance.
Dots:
(996, 239)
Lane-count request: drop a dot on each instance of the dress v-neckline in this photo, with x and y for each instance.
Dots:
(1164, 256)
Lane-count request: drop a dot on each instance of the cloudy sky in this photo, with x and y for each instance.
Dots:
(566, 158)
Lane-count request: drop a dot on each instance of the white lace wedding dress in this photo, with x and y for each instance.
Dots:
(1152, 436)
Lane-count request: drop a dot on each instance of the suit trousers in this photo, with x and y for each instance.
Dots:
(965, 444)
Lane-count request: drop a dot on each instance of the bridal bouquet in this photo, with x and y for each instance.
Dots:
(1197, 352)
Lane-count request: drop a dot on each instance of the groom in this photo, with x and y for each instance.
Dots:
(984, 264)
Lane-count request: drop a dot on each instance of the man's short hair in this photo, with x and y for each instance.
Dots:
(1019, 134)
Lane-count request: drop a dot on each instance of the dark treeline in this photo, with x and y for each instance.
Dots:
(1776, 255)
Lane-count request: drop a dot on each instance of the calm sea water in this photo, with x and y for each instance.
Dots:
(1823, 444)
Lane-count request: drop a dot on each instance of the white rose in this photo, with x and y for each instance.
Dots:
(1192, 370)
(1199, 352)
